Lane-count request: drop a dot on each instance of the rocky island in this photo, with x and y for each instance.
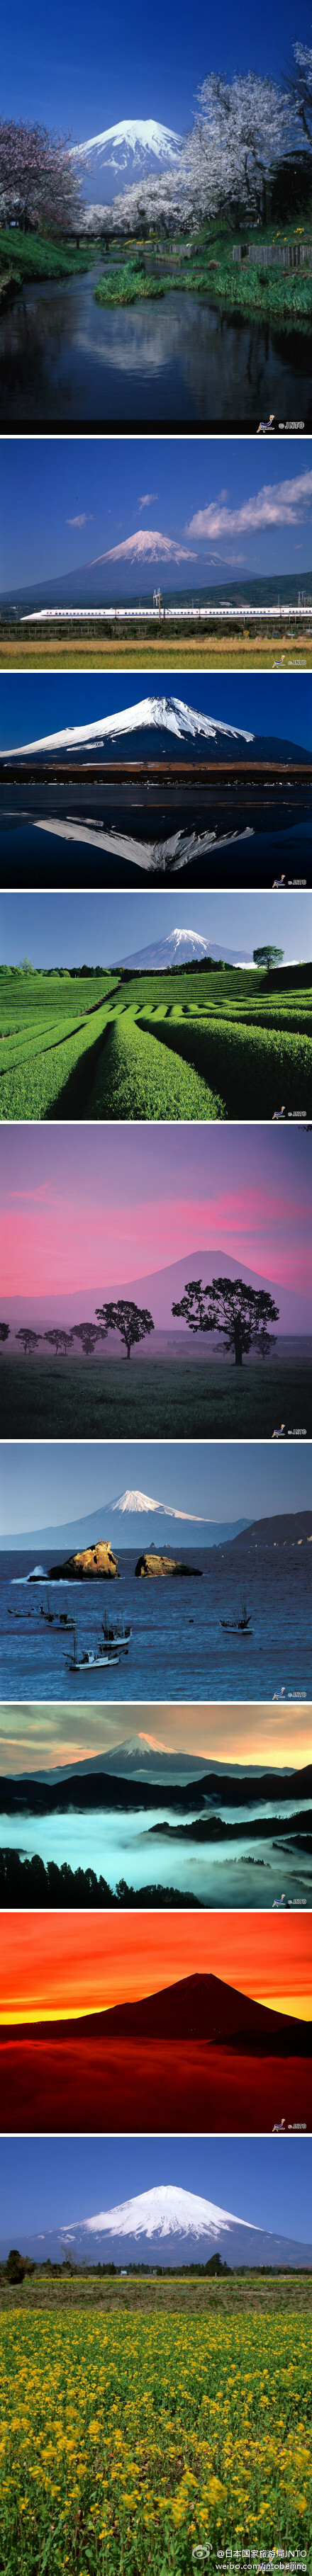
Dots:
(152, 1563)
(97, 1560)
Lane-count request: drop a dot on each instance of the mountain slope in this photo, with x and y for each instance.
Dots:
(133, 149)
(179, 948)
(152, 715)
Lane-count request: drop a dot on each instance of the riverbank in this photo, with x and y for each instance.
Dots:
(248, 286)
(26, 259)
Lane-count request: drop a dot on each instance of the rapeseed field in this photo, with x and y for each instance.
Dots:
(133, 2441)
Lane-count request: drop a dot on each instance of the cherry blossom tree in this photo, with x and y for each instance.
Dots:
(299, 85)
(243, 129)
(39, 184)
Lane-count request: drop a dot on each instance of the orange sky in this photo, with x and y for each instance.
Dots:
(54, 1965)
(36, 1737)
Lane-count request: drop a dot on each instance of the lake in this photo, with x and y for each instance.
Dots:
(268, 826)
(66, 359)
(178, 1649)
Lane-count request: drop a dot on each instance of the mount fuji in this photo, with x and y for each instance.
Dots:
(182, 947)
(149, 716)
(128, 1508)
(133, 149)
(169, 2226)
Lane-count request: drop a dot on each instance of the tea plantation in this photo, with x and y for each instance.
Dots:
(206, 1044)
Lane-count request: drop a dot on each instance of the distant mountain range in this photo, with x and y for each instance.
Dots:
(157, 1289)
(127, 1510)
(166, 2225)
(133, 149)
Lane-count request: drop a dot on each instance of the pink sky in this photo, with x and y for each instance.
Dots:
(84, 1208)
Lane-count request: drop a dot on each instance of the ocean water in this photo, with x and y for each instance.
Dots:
(178, 1650)
(118, 1845)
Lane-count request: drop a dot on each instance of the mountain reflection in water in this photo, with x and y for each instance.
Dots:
(183, 358)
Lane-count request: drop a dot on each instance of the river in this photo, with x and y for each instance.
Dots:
(65, 358)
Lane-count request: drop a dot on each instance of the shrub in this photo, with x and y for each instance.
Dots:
(257, 1069)
(135, 1080)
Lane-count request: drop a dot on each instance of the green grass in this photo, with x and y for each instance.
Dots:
(200, 1046)
(131, 1084)
(161, 1397)
(211, 270)
(26, 256)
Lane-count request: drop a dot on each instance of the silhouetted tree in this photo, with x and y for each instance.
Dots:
(132, 1322)
(61, 1341)
(268, 956)
(29, 1340)
(4, 1332)
(89, 1334)
(240, 1313)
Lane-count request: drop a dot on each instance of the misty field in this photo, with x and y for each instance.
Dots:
(210, 1045)
(191, 1397)
(132, 2439)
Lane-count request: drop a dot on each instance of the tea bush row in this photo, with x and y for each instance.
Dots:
(257, 1069)
(52, 1082)
(135, 1079)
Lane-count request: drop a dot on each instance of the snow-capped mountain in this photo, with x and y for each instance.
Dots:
(167, 2225)
(135, 1502)
(179, 948)
(148, 545)
(167, 2210)
(152, 715)
(173, 2225)
(133, 149)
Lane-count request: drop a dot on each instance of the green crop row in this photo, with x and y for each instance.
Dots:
(257, 1070)
(55, 1085)
(134, 1080)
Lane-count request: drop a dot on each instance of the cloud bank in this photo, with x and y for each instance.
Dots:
(277, 505)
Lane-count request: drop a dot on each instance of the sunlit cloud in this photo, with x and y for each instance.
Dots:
(276, 505)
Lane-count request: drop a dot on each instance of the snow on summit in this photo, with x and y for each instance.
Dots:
(167, 2210)
(169, 715)
(147, 545)
(133, 137)
(134, 1501)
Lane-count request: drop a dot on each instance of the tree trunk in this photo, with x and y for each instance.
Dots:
(238, 1351)
(128, 1350)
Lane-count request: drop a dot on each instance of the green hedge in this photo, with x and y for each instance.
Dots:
(257, 1069)
(52, 1081)
(135, 1080)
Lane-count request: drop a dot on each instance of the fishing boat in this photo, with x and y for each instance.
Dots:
(239, 1627)
(90, 1658)
(115, 1632)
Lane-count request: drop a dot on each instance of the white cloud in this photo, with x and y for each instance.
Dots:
(146, 497)
(82, 520)
(277, 505)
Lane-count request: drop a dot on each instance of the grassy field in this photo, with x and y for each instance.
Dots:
(139, 2428)
(213, 1045)
(191, 1398)
(246, 653)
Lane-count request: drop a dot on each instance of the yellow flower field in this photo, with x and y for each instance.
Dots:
(129, 2442)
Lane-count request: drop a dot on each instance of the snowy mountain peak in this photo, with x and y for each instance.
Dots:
(133, 1501)
(147, 545)
(167, 2210)
(182, 946)
(135, 135)
(170, 715)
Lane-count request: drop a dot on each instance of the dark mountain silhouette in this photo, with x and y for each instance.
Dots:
(199, 2008)
(283, 1529)
(99, 1788)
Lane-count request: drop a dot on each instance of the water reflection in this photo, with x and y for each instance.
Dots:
(64, 357)
(162, 858)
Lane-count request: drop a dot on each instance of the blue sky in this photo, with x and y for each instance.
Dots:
(34, 703)
(45, 1483)
(49, 2182)
(72, 928)
(86, 74)
(50, 485)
